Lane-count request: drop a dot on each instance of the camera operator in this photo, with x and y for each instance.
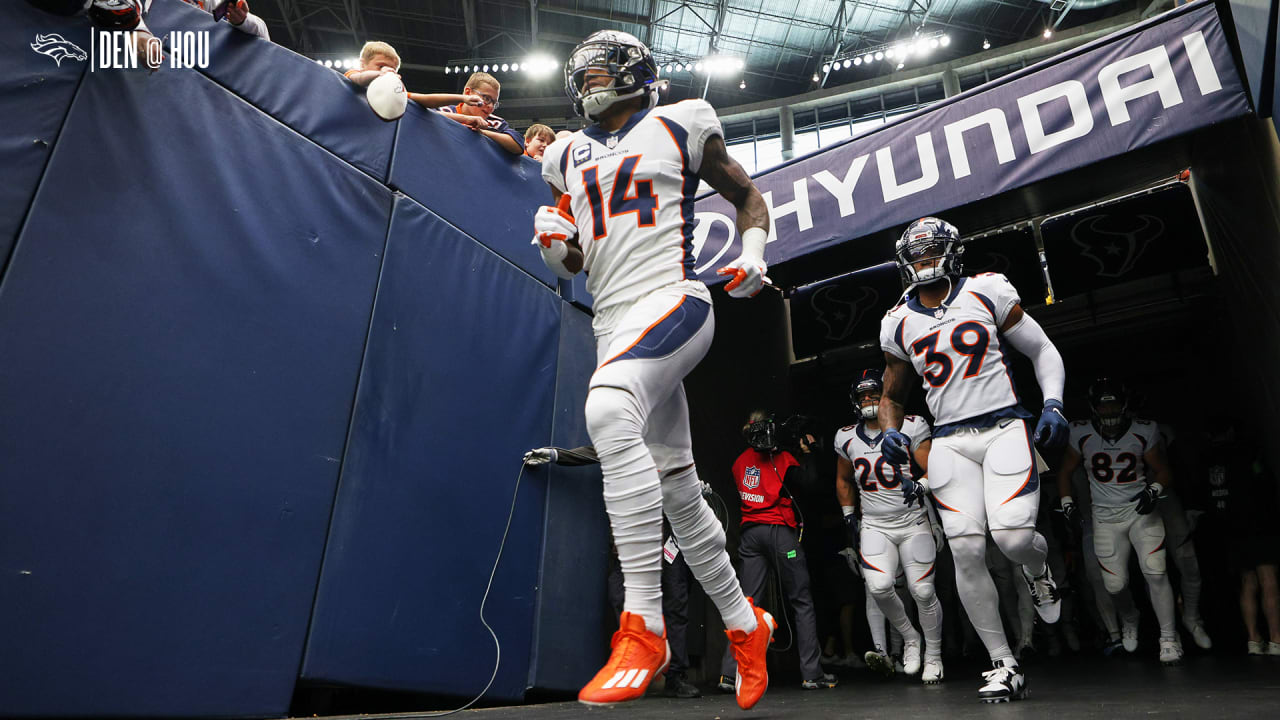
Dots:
(771, 536)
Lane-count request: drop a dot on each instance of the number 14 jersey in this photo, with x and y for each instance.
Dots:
(632, 199)
(956, 348)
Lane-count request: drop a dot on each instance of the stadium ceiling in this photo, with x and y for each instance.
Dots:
(782, 43)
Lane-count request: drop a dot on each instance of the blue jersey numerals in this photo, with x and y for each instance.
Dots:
(1104, 471)
(625, 197)
(862, 467)
(969, 341)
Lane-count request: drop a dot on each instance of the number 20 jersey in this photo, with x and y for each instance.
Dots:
(878, 482)
(957, 351)
(632, 199)
(1115, 466)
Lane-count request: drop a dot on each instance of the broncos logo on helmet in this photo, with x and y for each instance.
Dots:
(619, 56)
(58, 48)
(928, 238)
(870, 382)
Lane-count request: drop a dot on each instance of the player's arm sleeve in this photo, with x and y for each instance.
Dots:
(918, 430)
(554, 161)
(891, 338)
(254, 25)
(1030, 340)
(699, 120)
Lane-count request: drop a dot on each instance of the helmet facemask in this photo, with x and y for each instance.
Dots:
(934, 245)
(614, 55)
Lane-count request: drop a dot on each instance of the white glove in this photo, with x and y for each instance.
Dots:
(553, 226)
(749, 269)
(851, 558)
(539, 456)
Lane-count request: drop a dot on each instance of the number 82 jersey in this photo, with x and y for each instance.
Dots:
(956, 349)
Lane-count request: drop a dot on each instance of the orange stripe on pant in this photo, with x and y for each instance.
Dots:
(655, 324)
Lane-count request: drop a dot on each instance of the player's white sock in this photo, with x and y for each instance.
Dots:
(701, 539)
(632, 497)
(1161, 591)
(1023, 546)
(929, 611)
(891, 605)
(875, 620)
(978, 593)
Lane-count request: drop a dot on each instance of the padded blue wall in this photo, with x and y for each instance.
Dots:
(35, 93)
(196, 299)
(573, 622)
(458, 383)
(179, 344)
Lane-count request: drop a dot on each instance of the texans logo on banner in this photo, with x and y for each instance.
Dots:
(838, 312)
(1116, 242)
(751, 479)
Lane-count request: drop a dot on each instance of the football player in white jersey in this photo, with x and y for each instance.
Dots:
(954, 332)
(891, 532)
(623, 189)
(1124, 459)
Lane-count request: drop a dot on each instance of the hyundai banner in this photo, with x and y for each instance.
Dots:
(1152, 81)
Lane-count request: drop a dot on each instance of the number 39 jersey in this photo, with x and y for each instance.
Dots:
(632, 198)
(1114, 466)
(956, 349)
(878, 481)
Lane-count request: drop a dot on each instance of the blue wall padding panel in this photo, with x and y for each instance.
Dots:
(458, 382)
(179, 347)
(1253, 23)
(316, 101)
(35, 92)
(571, 637)
(491, 194)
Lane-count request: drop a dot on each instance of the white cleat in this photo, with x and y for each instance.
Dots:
(1198, 634)
(1129, 635)
(1044, 593)
(911, 656)
(1170, 652)
(879, 662)
(932, 674)
(1005, 682)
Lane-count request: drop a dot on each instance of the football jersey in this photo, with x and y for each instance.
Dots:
(1114, 466)
(879, 483)
(632, 199)
(956, 348)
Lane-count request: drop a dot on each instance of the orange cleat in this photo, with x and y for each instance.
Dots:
(749, 651)
(638, 655)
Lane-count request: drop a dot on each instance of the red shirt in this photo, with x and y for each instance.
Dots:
(759, 476)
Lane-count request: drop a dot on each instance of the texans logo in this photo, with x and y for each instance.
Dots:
(58, 48)
(1116, 242)
(986, 262)
(837, 312)
(751, 479)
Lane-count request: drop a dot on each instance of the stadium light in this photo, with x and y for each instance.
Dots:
(880, 55)
(826, 67)
(1048, 33)
(816, 78)
(986, 44)
(945, 40)
(867, 58)
(847, 63)
(889, 53)
(857, 61)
